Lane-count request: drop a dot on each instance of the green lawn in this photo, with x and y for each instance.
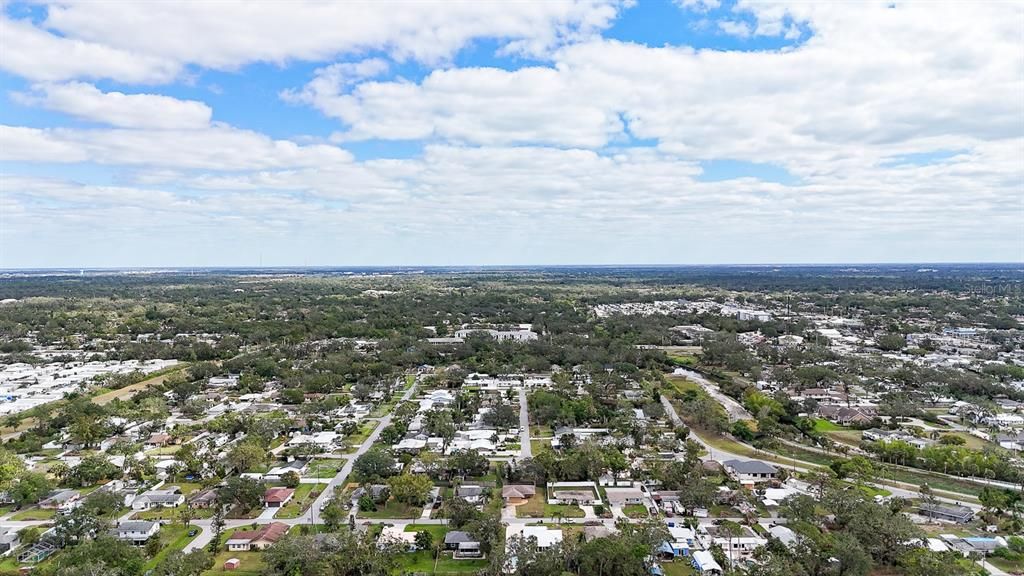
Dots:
(822, 425)
(173, 514)
(305, 494)
(186, 488)
(423, 562)
(325, 468)
(540, 431)
(680, 567)
(252, 564)
(360, 436)
(544, 510)
(436, 530)
(34, 514)
(393, 509)
(635, 510)
(173, 537)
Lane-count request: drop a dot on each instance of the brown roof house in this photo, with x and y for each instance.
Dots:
(516, 494)
(257, 539)
(277, 497)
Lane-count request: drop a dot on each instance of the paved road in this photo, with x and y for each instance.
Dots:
(525, 450)
(310, 516)
(735, 410)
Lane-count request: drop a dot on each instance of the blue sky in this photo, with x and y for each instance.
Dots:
(589, 131)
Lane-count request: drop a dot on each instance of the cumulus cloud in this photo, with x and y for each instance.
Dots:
(216, 148)
(874, 82)
(117, 109)
(154, 41)
(34, 53)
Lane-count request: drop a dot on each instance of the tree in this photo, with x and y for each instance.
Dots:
(78, 526)
(333, 515)
(216, 528)
(798, 508)
(30, 488)
(375, 464)
(104, 556)
(501, 416)
(291, 479)
(153, 546)
(467, 463)
(891, 342)
(411, 489)
(91, 470)
(336, 554)
(424, 540)
(852, 559)
(192, 563)
(103, 502)
(459, 512)
(11, 468)
(246, 455)
(245, 493)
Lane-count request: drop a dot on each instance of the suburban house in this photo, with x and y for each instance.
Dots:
(278, 472)
(158, 440)
(845, 415)
(750, 472)
(158, 499)
(624, 496)
(705, 563)
(735, 546)
(958, 514)
(463, 544)
(277, 497)
(516, 494)
(62, 500)
(203, 498)
(398, 535)
(1013, 442)
(577, 493)
(9, 540)
(543, 536)
(886, 436)
(684, 540)
(243, 541)
(470, 493)
(136, 531)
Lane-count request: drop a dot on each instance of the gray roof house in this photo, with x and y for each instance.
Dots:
(750, 471)
(135, 531)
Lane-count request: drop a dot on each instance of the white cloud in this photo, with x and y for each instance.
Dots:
(38, 55)
(736, 28)
(216, 148)
(871, 82)
(698, 5)
(154, 41)
(117, 109)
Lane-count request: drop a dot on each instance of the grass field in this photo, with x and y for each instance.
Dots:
(635, 510)
(34, 514)
(159, 378)
(540, 431)
(172, 514)
(393, 509)
(423, 562)
(679, 567)
(173, 537)
(305, 494)
(325, 468)
(537, 507)
(360, 436)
